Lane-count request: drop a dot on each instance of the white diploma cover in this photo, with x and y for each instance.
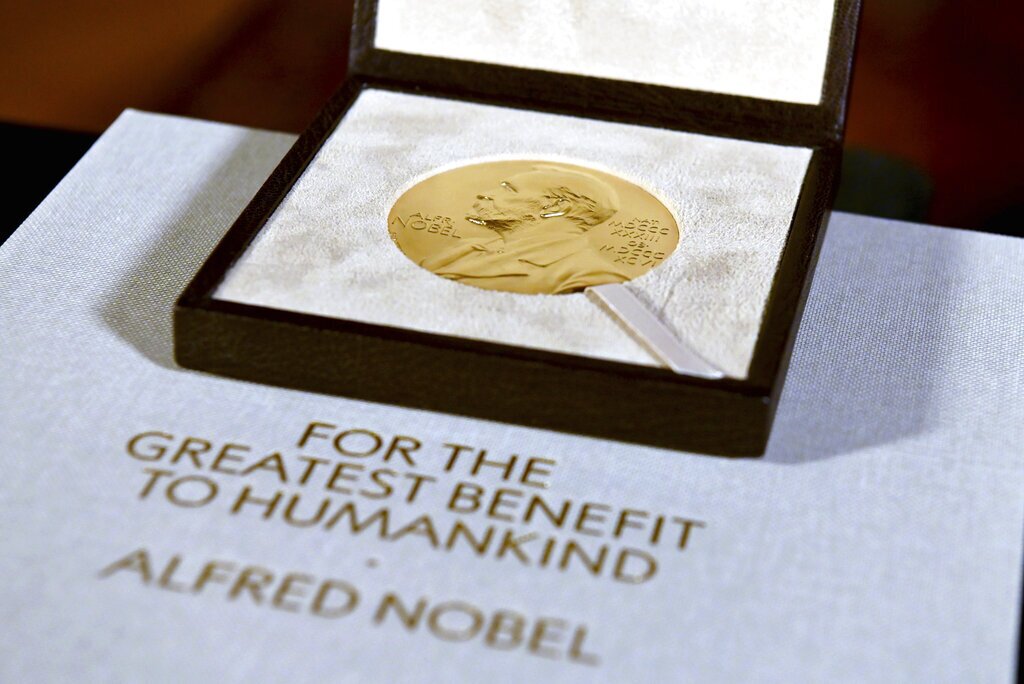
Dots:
(164, 524)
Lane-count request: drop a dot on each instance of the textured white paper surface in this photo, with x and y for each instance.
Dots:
(878, 540)
(326, 249)
(771, 49)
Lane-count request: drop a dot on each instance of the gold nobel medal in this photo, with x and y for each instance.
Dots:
(532, 227)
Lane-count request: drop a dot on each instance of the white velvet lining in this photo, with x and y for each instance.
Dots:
(770, 49)
(326, 249)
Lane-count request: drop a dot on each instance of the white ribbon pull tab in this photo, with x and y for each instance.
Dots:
(648, 329)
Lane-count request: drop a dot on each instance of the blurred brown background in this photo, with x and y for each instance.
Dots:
(932, 131)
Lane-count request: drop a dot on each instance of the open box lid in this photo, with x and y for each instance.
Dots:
(455, 61)
(773, 70)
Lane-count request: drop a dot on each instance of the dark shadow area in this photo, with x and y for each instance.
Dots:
(141, 311)
(38, 158)
(1007, 221)
(878, 327)
(874, 184)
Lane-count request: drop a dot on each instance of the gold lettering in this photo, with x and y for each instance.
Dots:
(155, 474)
(253, 580)
(417, 480)
(375, 441)
(403, 445)
(625, 522)
(546, 630)
(153, 452)
(207, 486)
(272, 463)
(411, 619)
(225, 454)
(340, 474)
(576, 653)
(499, 500)
(312, 464)
(288, 590)
(421, 526)
(593, 565)
(212, 572)
(555, 519)
(634, 576)
(505, 631)
(166, 579)
(245, 497)
(504, 466)
(136, 561)
(378, 479)
(289, 512)
(586, 515)
(355, 525)
(319, 607)
(192, 447)
(464, 491)
(311, 432)
(511, 543)
(457, 450)
(479, 546)
(687, 525)
(535, 467)
(476, 621)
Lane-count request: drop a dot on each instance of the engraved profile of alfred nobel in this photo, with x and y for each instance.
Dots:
(540, 219)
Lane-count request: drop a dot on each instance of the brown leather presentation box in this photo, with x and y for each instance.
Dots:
(485, 57)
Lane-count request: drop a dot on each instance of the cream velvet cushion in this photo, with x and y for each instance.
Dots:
(326, 249)
(770, 49)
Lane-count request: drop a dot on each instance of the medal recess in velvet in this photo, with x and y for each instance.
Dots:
(532, 227)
